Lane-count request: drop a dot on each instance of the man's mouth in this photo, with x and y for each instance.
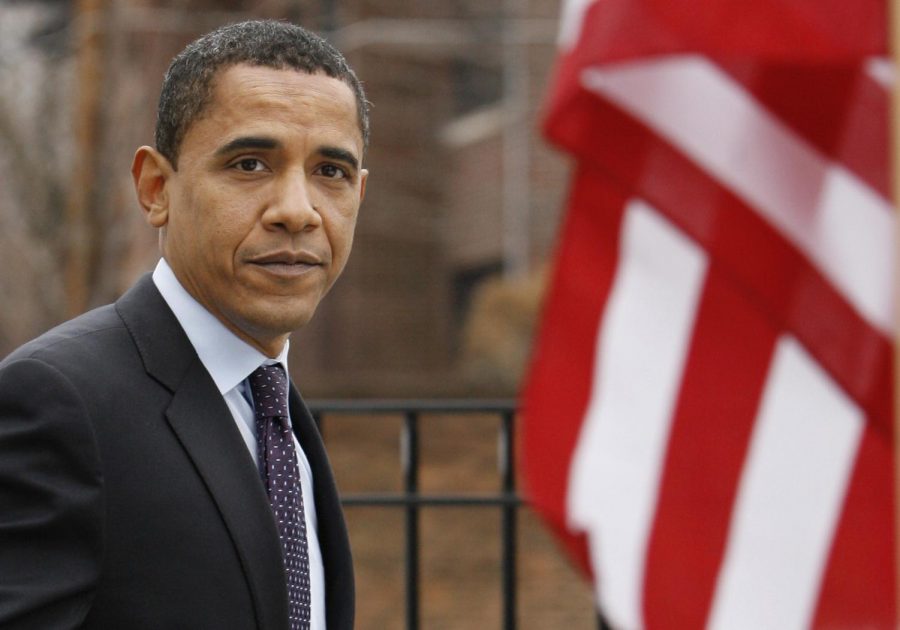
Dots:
(287, 263)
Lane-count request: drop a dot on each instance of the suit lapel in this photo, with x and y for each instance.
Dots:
(205, 428)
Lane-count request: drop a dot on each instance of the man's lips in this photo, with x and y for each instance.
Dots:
(286, 262)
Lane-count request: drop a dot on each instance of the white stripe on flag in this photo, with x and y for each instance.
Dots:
(571, 21)
(881, 70)
(641, 349)
(843, 226)
(790, 497)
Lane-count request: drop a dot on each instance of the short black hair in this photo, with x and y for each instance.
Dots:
(188, 84)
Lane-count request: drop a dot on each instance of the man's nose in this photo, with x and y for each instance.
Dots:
(293, 208)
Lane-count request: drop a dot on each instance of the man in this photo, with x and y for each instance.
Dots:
(148, 476)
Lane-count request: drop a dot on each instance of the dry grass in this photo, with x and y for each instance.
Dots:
(460, 547)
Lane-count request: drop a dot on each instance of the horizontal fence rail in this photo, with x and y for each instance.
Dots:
(411, 500)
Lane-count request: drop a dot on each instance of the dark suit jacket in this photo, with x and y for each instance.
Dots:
(128, 499)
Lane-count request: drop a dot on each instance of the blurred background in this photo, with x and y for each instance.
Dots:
(444, 285)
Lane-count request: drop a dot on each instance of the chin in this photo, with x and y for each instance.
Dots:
(290, 319)
(275, 320)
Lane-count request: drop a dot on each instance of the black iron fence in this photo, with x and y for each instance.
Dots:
(411, 500)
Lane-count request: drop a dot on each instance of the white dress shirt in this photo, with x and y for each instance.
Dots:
(229, 361)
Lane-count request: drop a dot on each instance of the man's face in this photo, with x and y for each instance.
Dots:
(259, 216)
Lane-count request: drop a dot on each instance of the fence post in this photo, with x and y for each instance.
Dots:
(410, 453)
(508, 471)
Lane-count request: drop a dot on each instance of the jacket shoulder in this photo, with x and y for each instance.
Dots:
(92, 334)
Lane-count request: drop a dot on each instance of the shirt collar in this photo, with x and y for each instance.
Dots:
(227, 358)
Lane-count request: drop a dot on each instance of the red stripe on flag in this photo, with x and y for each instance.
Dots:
(787, 29)
(724, 376)
(859, 583)
(777, 30)
(559, 384)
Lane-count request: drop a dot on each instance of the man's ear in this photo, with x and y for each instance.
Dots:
(151, 171)
(363, 178)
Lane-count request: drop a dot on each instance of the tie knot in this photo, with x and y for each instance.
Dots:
(269, 386)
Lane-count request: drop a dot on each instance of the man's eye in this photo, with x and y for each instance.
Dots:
(249, 165)
(332, 171)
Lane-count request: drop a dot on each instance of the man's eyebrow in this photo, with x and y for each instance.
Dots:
(248, 142)
(336, 153)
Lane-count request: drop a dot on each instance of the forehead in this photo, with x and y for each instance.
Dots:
(244, 95)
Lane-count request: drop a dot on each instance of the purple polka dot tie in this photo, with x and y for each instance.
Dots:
(278, 467)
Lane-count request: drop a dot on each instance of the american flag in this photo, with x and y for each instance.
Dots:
(708, 415)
